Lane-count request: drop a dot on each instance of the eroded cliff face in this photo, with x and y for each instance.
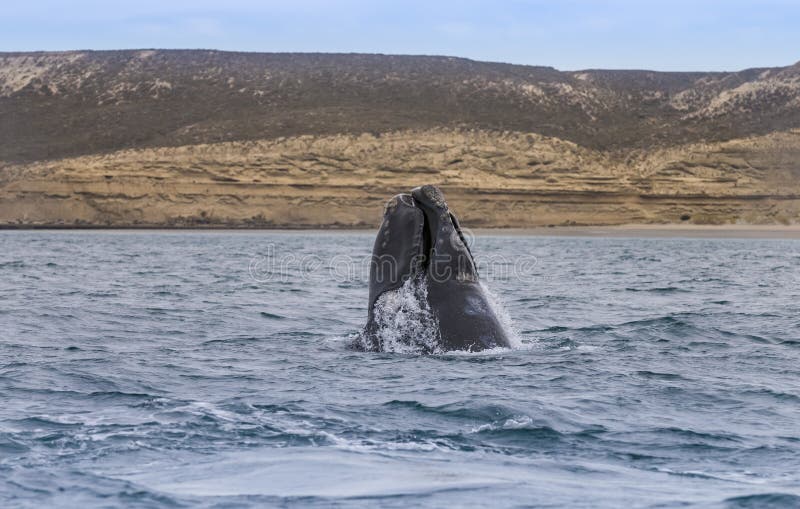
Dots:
(492, 179)
(209, 138)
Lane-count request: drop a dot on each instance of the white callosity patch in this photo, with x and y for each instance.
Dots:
(404, 322)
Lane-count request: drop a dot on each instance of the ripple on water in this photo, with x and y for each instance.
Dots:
(149, 369)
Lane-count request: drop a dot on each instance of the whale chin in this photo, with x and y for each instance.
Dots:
(424, 293)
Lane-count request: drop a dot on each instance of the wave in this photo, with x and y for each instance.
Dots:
(763, 501)
(517, 427)
(660, 376)
(272, 316)
(465, 410)
(664, 289)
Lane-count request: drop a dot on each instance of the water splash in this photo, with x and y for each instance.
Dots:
(498, 308)
(403, 321)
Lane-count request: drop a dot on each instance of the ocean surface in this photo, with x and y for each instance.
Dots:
(175, 369)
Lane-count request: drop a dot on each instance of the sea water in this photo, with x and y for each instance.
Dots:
(161, 369)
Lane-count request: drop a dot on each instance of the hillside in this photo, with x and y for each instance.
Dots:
(194, 138)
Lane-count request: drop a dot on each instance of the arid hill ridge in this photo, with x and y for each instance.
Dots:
(207, 138)
(72, 103)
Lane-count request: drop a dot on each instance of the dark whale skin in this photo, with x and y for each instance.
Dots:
(420, 238)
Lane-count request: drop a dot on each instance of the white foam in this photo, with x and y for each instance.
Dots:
(499, 309)
(404, 321)
(519, 422)
(321, 472)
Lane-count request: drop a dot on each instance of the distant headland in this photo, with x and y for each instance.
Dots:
(196, 138)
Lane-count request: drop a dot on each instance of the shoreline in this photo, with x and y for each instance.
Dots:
(614, 231)
(730, 231)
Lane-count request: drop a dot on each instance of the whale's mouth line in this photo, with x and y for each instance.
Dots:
(427, 242)
(436, 215)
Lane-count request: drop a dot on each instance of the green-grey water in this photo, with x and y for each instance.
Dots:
(158, 370)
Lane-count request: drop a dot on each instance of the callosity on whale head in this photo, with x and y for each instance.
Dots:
(424, 291)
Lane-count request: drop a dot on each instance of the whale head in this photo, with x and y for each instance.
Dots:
(420, 250)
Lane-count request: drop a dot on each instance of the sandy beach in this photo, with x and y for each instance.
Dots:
(657, 231)
(614, 231)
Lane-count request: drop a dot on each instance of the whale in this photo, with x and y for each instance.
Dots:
(424, 287)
